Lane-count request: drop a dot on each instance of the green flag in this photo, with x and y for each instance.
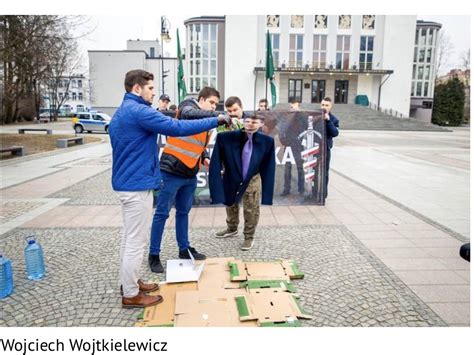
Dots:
(182, 92)
(270, 69)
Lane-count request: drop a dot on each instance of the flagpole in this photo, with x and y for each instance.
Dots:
(266, 88)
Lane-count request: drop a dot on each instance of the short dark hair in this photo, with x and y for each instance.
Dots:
(327, 98)
(173, 107)
(294, 100)
(233, 100)
(255, 116)
(264, 101)
(207, 92)
(137, 76)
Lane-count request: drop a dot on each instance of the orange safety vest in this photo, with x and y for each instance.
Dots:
(187, 149)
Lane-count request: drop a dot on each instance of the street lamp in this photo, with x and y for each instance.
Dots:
(165, 37)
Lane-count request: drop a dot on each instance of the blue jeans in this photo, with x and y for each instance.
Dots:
(180, 191)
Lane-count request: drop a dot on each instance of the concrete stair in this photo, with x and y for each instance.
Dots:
(356, 117)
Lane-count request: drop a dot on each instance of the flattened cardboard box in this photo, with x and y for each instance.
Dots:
(216, 275)
(266, 270)
(209, 308)
(270, 307)
(162, 314)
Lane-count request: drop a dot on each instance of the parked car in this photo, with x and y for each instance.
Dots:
(91, 121)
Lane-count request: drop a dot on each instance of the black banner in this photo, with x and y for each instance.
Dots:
(300, 153)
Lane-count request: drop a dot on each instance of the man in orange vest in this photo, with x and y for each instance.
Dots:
(180, 162)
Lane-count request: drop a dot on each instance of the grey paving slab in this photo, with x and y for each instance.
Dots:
(441, 293)
(413, 264)
(403, 167)
(431, 277)
(344, 284)
(455, 314)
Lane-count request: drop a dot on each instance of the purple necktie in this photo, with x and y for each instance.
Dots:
(246, 154)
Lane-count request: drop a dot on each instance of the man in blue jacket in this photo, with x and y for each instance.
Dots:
(135, 173)
(243, 155)
(332, 125)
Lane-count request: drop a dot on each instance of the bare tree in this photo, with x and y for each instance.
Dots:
(35, 50)
(445, 49)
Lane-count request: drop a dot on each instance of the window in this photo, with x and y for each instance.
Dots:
(74, 96)
(418, 88)
(202, 56)
(79, 96)
(318, 90)
(319, 51)
(79, 83)
(295, 87)
(152, 52)
(366, 53)
(60, 96)
(296, 50)
(343, 48)
(275, 38)
(321, 21)
(74, 83)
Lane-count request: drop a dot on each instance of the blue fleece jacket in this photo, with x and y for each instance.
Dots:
(133, 134)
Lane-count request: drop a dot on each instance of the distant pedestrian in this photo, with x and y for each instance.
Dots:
(263, 105)
(332, 131)
(163, 103)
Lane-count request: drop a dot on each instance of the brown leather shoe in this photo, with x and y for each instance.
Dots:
(143, 287)
(141, 301)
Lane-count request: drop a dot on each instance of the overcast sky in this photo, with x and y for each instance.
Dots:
(112, 33)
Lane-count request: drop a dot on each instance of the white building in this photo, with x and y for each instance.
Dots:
(74, 90)
(108, 68)
(424, 68)
(339, 56)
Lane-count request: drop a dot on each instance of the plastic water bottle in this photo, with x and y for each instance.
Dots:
(34, 260)
(6, 277)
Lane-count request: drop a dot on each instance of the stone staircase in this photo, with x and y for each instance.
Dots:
(356, 117)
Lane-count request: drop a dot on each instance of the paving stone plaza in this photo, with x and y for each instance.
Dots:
(371, 257)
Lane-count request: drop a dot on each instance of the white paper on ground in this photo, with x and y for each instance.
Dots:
(183, 270)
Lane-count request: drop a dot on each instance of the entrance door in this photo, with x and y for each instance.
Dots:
(341, 92)
(318, 91)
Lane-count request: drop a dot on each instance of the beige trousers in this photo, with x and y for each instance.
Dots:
(137, 209)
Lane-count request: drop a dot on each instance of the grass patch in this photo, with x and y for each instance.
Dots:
(36, 142)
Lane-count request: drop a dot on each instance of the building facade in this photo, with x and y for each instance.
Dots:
(107, 71)
(205, 54)
(74, 91)
(340, 56)
(424, 70)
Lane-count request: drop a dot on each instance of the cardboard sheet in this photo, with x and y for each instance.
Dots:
(162, 314)
(270, 307)
(209, 309)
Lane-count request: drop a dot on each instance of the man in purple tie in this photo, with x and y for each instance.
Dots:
(246, 156)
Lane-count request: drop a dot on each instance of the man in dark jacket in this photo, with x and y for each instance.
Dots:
(332, 125)
(133, 135)
(243, 154)
(180, 162)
